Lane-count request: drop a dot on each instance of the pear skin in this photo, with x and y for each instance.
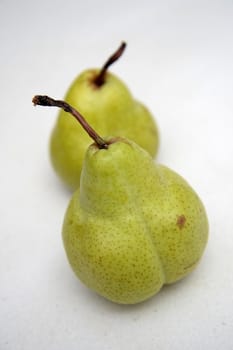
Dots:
(133, 226)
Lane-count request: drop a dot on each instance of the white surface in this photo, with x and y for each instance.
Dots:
(179, 63)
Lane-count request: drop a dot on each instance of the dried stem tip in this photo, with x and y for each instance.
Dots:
(44, 100)
(100, 78)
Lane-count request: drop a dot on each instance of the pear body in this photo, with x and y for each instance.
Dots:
(111, 110)
(132, 226)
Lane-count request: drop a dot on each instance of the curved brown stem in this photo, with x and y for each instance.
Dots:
(44, 100)
(100, 78)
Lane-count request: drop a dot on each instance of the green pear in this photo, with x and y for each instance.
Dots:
(133, 225)
(110, 108)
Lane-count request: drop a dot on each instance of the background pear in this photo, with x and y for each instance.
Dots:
(132, 226)
(110, 108)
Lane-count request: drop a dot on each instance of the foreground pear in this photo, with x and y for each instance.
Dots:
(132, 226)
(110, 108)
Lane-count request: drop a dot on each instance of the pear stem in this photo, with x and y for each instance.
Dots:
(44, 100)
(100, 78)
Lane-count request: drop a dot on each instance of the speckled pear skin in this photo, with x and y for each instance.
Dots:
(133, 226)
(111, 110)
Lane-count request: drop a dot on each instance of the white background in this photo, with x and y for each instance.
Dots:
(179, 62)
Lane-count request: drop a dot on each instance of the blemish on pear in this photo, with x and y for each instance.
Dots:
(181, 219)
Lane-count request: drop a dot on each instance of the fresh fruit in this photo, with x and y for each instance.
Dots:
(110, 108)
(133, 225)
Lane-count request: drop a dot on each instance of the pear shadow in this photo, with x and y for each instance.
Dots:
(153, 303)
(84, 295)
(167, 295)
